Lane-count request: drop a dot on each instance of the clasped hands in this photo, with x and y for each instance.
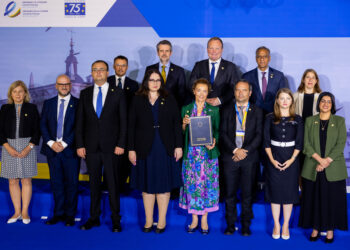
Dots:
(239, 154)
(282, 166)
(13, 152)
(324, 163)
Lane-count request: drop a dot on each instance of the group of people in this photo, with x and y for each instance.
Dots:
(114, 124)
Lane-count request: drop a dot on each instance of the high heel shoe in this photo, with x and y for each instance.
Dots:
(147, 229)
(276, 236)
(314, 238)
(13, 220)
(26, 221)
(205, 231)
(285, 237)
(329, 240)
(191, 230)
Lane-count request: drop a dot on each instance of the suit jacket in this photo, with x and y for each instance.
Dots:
(141, 131)
(215, 121)
(175, 82)
(253, 132)
(299, 103)
(130, 87)
(28, 126)
(224, 82)
(275, 81)
(48, 126)
(336, 139)
(105, 133)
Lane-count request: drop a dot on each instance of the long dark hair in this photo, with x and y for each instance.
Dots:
(144, 90)
(323, 94)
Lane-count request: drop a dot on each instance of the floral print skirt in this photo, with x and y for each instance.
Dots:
(200, 193)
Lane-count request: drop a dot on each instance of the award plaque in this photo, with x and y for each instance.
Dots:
(200, 131)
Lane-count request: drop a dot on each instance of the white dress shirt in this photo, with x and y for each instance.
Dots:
(104, 90)
(66, 101)
(216, 66)
(260, 77)
(122, 79)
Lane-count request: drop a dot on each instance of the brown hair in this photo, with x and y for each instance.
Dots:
(144, 90)
(14, 85)
(276, 106)
(201, 81)
(215, 38)
(301, 87)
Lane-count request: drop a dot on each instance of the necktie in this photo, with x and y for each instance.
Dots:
(60, 120)
(239, 126)
(163, 73)
(120, 83)
(264, 84)
(212, 73)
(99, 102)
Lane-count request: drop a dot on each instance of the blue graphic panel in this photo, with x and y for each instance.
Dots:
(247, 18)
(74, 9)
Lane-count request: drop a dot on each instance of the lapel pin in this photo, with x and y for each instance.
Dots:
(187, 111)
(127, 88)
(162, 103)
(25, 114)
(71, 106)
(332, 125)
(112, 90)
(171, 69)
(250, 109)
(271, 75)
(222, 68)
(316, 122)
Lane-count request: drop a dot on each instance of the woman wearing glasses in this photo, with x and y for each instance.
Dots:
(155, 146)
(323, 205)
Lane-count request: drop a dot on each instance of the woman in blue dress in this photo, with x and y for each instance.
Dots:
(155, 146)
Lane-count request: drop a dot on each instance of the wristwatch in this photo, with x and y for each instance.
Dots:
(31, 146)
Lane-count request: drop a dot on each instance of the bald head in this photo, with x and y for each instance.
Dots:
(63, 85)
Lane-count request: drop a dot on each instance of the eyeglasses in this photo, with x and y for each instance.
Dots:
(99, 70)
(326, 101)
(63, 84)
(121, 65)
(262, 57)
(154, 80)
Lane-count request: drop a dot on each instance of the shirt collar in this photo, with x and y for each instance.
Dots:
(103, 87)
(66, 98)
(217, 61)
(166, 65)
(267, 71)
(122, 78)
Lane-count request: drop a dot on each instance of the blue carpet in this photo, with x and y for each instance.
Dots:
(37, 235)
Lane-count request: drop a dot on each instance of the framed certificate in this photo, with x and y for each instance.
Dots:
(200, 131)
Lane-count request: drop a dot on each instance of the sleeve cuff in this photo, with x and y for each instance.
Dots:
(50, 143)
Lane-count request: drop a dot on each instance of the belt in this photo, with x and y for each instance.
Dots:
(283, 144)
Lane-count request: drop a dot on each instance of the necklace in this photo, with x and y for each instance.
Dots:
(323, 125)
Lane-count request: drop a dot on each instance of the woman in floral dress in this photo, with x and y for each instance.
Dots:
(200, 168)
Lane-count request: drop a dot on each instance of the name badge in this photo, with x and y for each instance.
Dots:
(240, 133)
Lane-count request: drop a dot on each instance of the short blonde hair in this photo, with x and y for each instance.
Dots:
(14, 85)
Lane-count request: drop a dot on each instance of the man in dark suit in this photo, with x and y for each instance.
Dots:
(121, 80)
(57, 129)
(173, 75)
(265, 80)
(130, 87)
(241, 136)
(100, 138)
(220, 73)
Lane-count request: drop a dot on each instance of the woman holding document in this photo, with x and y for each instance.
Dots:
(200, 168)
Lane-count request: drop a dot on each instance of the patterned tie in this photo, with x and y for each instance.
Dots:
(163, 73)
(99, 103)
(212, 73)
(239, 126)
(120, 83)
(60, 120)
(264, 84)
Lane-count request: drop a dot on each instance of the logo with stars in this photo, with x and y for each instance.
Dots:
(74, 8)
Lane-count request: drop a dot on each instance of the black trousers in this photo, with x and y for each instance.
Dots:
(96, 164)
(237, 174)
(64, 178)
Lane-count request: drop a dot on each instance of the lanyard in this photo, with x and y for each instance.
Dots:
(244, 116)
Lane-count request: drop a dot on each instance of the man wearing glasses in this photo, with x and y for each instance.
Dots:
(100, 139)
(57, 128)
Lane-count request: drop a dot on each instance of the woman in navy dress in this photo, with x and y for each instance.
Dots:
(155, 146)
(283, 140)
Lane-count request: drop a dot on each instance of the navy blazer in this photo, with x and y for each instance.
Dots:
(253, 133)
(224, 82)
(48, 126)
(175, 82)
(130, 87)
(275, 81)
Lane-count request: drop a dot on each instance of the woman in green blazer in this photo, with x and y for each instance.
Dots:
(200, 168)
(323, 205)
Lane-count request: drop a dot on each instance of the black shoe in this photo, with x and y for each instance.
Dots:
(246, 231)
(69, 221)
(313, 239)
(90, 223)
(116, 228)
(329, 240)
(191, 230)
(160, 230)
(230, 230)
(147, 229)
(54, 220)
(205, 231)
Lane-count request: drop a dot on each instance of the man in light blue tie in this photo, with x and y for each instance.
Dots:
(100, 140)
(57, 128)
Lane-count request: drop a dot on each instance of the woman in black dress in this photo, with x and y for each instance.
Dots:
(155, 146)
(323, 204)
(283, 140)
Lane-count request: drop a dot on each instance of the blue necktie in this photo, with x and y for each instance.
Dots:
(212, 73)
(99, 102)
(60, 120)
(120, 83)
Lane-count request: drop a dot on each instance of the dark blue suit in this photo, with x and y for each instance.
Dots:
(275, 81)
(64, 166)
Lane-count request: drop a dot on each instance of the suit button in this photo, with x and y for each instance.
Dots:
(283, 136)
